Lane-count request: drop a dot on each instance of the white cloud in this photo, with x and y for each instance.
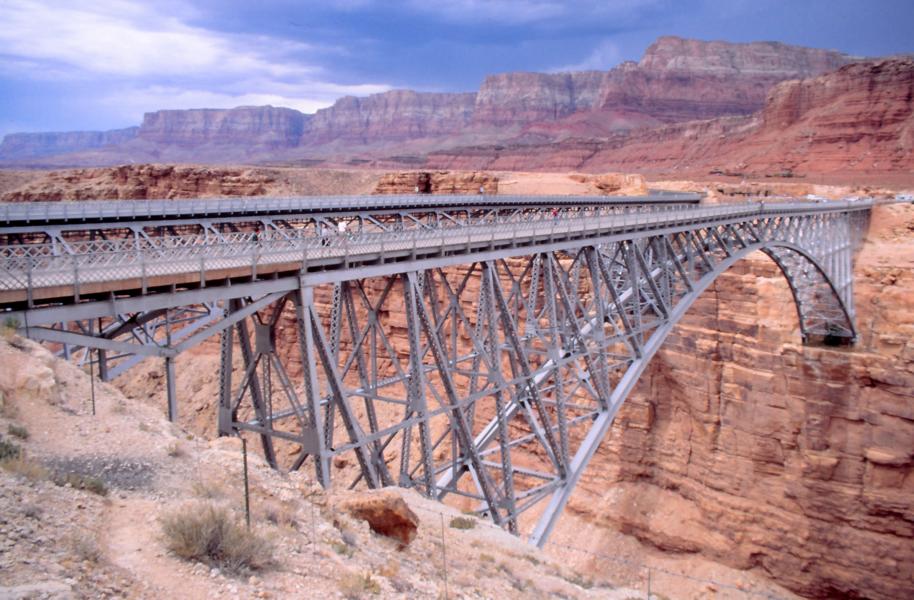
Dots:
(122, 38)
(603, 57)
(144, 56)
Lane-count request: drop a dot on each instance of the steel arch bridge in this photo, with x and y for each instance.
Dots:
(465, 347)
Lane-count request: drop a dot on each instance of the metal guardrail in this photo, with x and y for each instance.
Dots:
(35, 266)
(89, 210)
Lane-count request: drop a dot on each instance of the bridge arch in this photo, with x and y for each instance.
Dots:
(820, 309)
(488, 305)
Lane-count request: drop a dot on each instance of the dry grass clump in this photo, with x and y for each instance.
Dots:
(85, 547)
(24, 466)
(209, 489)
(18, 431)
(463, 523)
(281, 514)
(8, 410)
(14, 461)
(211, 535)
(175, 450)
(78, 481)
(8, 450)
(356, 585)
(8, 328)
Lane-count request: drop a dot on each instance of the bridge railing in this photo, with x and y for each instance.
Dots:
(300, 233)
(27, 267)
(43, 212)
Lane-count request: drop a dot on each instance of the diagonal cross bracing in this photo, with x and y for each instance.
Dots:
(474, 354)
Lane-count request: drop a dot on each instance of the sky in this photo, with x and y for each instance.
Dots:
(100, 64)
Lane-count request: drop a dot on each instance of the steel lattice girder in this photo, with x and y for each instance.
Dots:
(495, 380)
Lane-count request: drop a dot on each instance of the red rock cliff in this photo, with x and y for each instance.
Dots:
(245, 125)
(18, 146)
(745, 446)
(395, 115)
(676, 80)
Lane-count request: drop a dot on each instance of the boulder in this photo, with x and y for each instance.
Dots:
(386, 513)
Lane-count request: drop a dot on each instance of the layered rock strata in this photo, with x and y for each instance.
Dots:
(858, 119)
(676, 80)
(35, 145)
(743, 445)
(437, 182)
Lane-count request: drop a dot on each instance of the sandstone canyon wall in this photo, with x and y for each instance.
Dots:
(858, 119)
(399, 114)
(18, 146)
(745, 446)
(141, 182)
(675, 80)
(257, 125)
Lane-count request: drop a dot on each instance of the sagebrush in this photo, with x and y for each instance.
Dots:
(212, 535)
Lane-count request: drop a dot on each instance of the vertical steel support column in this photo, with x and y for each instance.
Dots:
(170, 374)
(170, 384)
(304, 302)
(257, 397)
(226, 415)
(416, 391)
(504, 438)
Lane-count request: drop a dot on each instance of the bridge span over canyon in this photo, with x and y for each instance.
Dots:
(471, 346)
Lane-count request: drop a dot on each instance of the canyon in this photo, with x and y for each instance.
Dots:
(676, 80)
(740, 446)
(858, 119)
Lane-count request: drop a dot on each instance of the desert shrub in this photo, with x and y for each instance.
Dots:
(175, 450)
(85, 547)
(580, 581)
(210, 489)
(79, 481)
(278, 512)
(8, 450)
(7, 408)
(18, 431)
(342, 549)
(212, 535)
(357, 585)
(8, 328)
(463, 523)
(24, 466)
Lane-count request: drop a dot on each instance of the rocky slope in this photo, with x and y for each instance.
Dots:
(740, 444)
(84, 503)
(676, 80)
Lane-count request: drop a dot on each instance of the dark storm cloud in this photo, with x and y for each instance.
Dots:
(102, 63)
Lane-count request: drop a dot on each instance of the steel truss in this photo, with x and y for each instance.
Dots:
(490, 375)
(496, 381)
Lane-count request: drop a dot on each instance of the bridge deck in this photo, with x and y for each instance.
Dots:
(22, 215)
(31, 273)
